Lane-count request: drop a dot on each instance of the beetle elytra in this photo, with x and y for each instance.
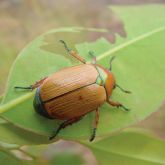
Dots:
(73, 92)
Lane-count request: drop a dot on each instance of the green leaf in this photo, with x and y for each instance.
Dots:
(10, 159)
(139, 67)
(37, 150)
(129, 147)
(55, 155)
(15, 135)
(8, 146)
(14, 155)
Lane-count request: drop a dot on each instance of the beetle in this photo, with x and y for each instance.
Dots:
(71, 93)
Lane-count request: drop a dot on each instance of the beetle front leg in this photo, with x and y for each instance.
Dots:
(95, 125)
(117, 104)
(63, 125)
(73, 53)
(31, 87)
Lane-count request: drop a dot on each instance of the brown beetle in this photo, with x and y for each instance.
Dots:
(71, 93)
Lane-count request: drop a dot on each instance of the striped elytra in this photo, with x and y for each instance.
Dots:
(70, 92)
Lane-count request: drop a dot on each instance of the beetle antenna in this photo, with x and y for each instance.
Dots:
(122, 89)
(112, 58)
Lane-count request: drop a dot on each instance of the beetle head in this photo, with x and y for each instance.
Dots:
(109, 83)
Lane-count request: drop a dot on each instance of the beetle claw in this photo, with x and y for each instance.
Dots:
(93, 135)
(126, 109)
(52, 137)
(57, 131)
(122, 106)
(129, 92)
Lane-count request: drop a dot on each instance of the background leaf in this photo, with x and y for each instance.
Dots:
(15, 135)
(12, 160)
(139, 58)
(129, 147)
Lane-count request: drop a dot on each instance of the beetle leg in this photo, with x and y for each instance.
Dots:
(38, 83)
(31, 87)
(65, 124)
(95, 125)
(94, 61)
(123, 90)
(117, 104)
(73, 53)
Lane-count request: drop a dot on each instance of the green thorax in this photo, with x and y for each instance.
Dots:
(101, 79)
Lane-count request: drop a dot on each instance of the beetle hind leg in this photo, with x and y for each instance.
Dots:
(63, 125)
(118, 105)
(95, 125)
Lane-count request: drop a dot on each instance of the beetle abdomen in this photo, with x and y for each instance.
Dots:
(67, 80)
(76, 103)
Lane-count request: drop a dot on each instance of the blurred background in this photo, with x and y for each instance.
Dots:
(23, 20)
